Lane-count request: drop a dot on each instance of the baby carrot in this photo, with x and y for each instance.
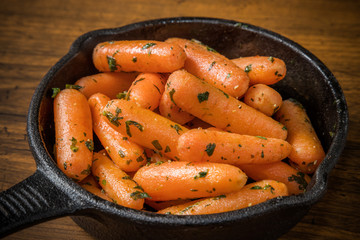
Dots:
(128, 156)
(92, 186)
(73, 132)
(139, 56)
(263, 98)
(144, 127)
(249, 195)
(295, 181)
(307, 151)
(174, 180)
(158, 205)
(213, 106)
(117, 184)
(147, 90)
(231, 148)
(212, 67)
(261, 69)
(110, 83)
(169, 110)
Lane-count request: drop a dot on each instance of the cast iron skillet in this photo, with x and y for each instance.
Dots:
(49, 194)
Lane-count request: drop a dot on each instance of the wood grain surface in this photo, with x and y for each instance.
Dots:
(35, 34)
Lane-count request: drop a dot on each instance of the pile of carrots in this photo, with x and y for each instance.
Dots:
(183, 129)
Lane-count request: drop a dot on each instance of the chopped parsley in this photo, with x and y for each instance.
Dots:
(300, 179)
(211, 65)
(177, 128)
(201, 174)
(86, 171)
(271, 59)
(55, 92)
(71, 86)
(73, 146)
(134, 59)
(203, 96)
(136, 124)
(210, 149)
(157, 145)
(112, 63)
(90, 145)
(148, 45)
(248, 68)
(139, 195)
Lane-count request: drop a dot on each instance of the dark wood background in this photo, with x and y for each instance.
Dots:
(35, 34)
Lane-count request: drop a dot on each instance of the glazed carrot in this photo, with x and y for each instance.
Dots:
(174, 180)
(169, 110)
(144, 127)
(109, 84)
(213, 68)
(92, 186)
(158, 205)
(73, 134)
(231, 148)
(218, 108)
(307, 151)
(147, 90)
(117, 184)
(138, 55)
(198, 123)
(261, 69)
(263, 98)
(128, 156)
(295, 181)
(249, 195)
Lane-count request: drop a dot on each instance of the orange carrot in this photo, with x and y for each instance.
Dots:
(218, 108)
(158, 205)
(295, 181)
(117, 184)
(261, 69)
(138, 55)
(212, 67)
(249, 195)
(169, 110)
(307, 151)
(147, 90)
(198, 123)
(128, 156)
(73, 132)
(231, 148)
(109, 84)
(174, 180)
(263, 98)
(92, 186)
(144, 127)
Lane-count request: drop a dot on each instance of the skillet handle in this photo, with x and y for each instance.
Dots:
(34, 200)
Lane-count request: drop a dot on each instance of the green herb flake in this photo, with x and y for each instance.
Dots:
(112, 63)
(148, 45)
(248, 68)
(90, 144)
(271, 59)
(140, 159)
(65, 165)
(73, 146)
(55, 92)
(86, 171)
(157, 145)
(211, 65)
(112, 119)
(126, 178)
(201, 174)
(267, 186)
(139, 195)
(219, 197)
(134, 59)
(228, 75)
(121, 95)
(103, 182)
(262, 154)
(171, 94)
(210, 149)
(300, 179)
(177, 128)
(136, 124)
(167, 149)
(261, 137)
(203, 96)
(121, 153)
(256, 187)
(71, 86)
(138, 80)
(210, 49)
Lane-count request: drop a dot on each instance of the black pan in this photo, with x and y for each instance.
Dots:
(49, 194)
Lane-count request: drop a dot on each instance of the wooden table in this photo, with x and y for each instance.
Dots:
(35, 34)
